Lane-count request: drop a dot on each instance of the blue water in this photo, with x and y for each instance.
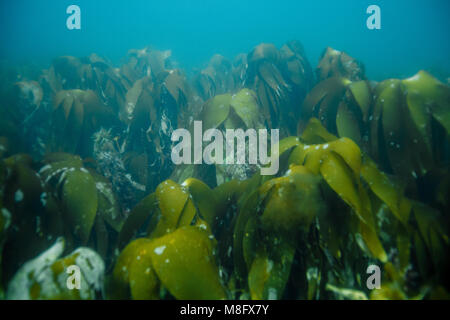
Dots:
(414, 33)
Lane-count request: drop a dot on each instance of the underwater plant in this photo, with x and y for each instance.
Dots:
(145, 62)
(29, 212)
(391, 209)
(85, 198)
(334, 63)
(89, 73)
(223, 112)
(410, 127)
(109, 158)
(363, 180)
(177, 253)
(272, 219)
(24, 106)
(402, 124)
(342, 106)
(76, 115)
(279, 78)
(154, 109)
(217, 78)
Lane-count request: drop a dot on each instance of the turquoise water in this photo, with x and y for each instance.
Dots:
(413, 35)
(107, 167)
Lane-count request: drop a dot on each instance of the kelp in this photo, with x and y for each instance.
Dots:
(173, 208)
(240, 110)
(268, 264)
(270, 238)
(148, 263)
(146, 62)
(387, 190)
(338, 163)
(187, 276)
(154, 108)
(223, 112)
(279, 77)
(85, 198)
(22, 113)
(363, 180)
(342, 106)
(401, 123)
(334, 63)
(409, 127)
(29, 209)
(181, 262)
(89, 73)
(217, 78)
(76, 115)
(57, 197)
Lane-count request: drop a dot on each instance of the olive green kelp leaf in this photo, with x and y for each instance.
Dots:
(362, 94)
(176, 207)
(332, 89)
(215, 111)
(133, 274)
(348, 124)
(86, 198)
(79, 197)
(223, 112)
(291, 202)
(410, 126)
(204, 198)
(434, 234)
(238, 111)
(245, 104)
(315, 133)
(184, 262)
(386, 190)
(269, 272)
(398, 143)
(342, 107)
(339, 163)
(426, 92)
(172, 206)
(290, 205)
(137, 218)
(144, 284)
(181, 261)
(108, 204)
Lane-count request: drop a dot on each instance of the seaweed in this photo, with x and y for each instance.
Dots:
(363, 180)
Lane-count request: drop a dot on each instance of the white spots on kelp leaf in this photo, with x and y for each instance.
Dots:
(159, 250)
